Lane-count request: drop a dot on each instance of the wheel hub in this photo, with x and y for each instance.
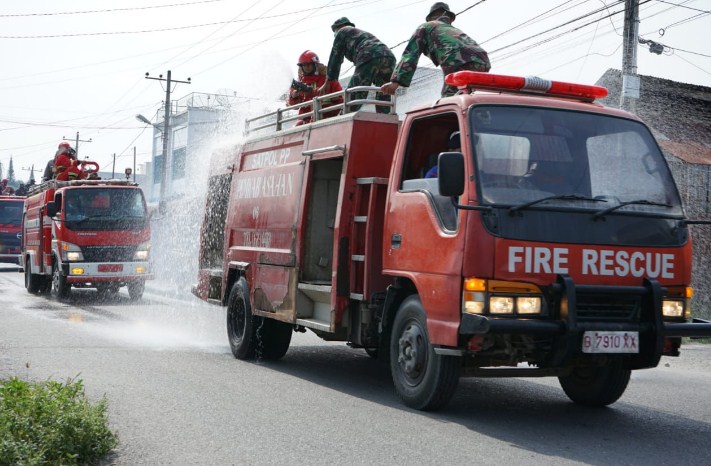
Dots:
(412, 355)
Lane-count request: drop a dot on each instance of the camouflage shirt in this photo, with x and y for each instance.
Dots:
(444, 44)
(357, 46)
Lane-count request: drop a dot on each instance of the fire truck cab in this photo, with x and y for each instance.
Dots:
(552, 243)
(86, 234)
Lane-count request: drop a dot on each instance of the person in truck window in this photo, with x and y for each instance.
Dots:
(373, 60)
(453, 145)
(445, 45)
(312, 75)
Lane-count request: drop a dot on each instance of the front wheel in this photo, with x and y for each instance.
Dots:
(423, 379)
(60, 287)
(596, 385)
(135, 289)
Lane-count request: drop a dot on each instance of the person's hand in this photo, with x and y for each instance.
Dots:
(389, 88)
(322, 90)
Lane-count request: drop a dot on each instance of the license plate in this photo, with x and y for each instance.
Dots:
(610, 342)
(110, 267)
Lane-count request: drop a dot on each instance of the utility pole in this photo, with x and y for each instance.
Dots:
(113, 167)
(134, 164)
(166, 134)
(629, 93)
(76, 143)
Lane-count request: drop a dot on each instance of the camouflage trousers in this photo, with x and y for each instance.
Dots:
(471, 66)
(376, 71)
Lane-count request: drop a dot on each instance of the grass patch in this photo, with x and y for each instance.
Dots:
(51, 423)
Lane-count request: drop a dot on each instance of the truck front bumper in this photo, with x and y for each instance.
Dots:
(566, 333)
(83, 272)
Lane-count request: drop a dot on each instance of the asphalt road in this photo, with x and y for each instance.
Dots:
(178, 397)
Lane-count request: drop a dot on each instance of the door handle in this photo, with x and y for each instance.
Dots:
(395, 241)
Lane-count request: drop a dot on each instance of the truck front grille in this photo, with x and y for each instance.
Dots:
(108, 253)
(608, 308)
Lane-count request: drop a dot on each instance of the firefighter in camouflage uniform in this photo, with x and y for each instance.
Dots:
(445, 45)
(373, 60)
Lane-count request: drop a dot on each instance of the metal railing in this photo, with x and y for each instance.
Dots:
(280, 117)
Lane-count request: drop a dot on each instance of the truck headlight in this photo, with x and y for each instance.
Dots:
(70, 252)
(673, 308)
(501, 298)
(142, 251)
(501, 305)
(528, 305)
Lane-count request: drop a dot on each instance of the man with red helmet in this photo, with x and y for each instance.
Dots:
(312, 73)
(66, 165)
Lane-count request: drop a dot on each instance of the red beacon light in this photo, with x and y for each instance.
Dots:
(471, 80)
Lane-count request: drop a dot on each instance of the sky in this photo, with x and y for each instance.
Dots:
(78, 67)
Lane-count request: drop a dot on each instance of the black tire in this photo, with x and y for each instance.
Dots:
(423, 379)
(241, 324)
(135, 289)
(33, 282)
(60, 288)
(45, 284)
(107, 290)
(274, 338)
(597, 385)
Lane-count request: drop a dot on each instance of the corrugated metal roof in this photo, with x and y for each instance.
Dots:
(679, 114)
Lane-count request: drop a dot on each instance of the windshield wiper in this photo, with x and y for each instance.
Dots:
(564, 197)
(604, 212)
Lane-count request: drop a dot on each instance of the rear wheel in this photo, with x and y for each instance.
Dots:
(135, 289)
(596, 385)
(60, 287)
(241, 324)
(274, 338)
(423, 379)
(33, 282)
(253, 336)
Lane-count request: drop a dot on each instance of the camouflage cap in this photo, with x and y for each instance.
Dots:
(440, 6)
(340, 22)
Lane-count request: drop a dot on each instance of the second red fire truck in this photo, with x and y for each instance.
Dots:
(86, 234)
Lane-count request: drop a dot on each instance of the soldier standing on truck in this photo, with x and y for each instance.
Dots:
(373, 60)
(445, 45)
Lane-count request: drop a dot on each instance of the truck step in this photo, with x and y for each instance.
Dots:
(315, 324)
(372, 180)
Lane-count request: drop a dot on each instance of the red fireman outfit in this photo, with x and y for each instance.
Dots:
(314, 81)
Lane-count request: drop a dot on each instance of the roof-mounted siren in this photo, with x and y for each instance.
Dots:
(469, 81)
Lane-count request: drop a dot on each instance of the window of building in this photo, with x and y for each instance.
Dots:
(179, 163)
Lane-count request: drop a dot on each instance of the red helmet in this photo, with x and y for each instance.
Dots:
(308, 57)
(64, 145)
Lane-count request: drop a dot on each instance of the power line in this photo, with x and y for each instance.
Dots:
(111, 10)
(174, 28)
(683, 6)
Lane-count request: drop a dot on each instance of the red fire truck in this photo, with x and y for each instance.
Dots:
(552, 243)
(10, 219)
(86, 234)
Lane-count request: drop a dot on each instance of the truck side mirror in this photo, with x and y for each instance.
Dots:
(450, 170)
(51, 209)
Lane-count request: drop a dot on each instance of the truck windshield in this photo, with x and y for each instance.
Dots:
(104, 209)
(547, 158)
(10, 212)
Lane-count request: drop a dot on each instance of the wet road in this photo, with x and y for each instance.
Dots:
(177, 396)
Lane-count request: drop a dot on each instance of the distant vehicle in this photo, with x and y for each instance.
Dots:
(10, 221)
(552, 243)
(86, 234)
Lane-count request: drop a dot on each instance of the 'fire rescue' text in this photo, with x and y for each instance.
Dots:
(604, 262)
